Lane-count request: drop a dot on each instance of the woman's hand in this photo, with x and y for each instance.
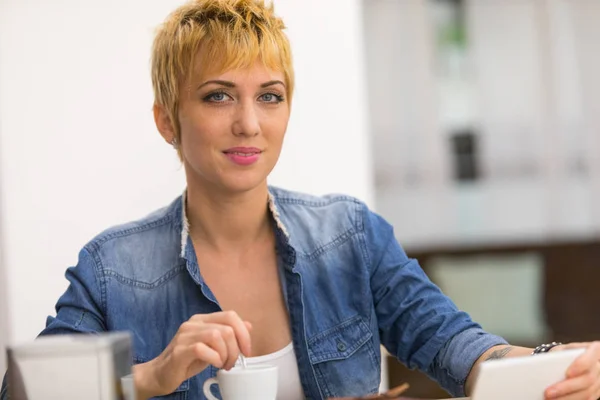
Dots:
(583, 376)
(205, 339)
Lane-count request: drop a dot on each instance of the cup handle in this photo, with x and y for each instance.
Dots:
(206, 388)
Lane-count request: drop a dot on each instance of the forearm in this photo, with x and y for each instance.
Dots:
(145, 385)
(494, 353)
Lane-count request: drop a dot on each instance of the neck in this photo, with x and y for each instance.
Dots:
(226, 220)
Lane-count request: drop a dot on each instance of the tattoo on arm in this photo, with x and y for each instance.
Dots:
(498, 354)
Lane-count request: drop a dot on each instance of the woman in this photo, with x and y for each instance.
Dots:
(233, 266)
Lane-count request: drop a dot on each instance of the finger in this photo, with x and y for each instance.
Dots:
(595, 349)
(232, 319)
(202, 352)
(209, 334)
(573, 396)
(583, 394)
(197, 321)
(213, 337)
(585, 362)
(578, 385)
(187, 340)
(224, 337)
(192, 326)
(233, 349)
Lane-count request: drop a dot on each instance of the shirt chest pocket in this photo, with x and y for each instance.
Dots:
(345, 360)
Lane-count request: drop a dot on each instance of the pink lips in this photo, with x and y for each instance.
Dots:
(243, 155)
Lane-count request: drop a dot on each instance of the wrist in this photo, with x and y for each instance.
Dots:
(145, 385)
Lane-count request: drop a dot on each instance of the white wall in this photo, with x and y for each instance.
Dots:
(532, 66)
(328, 146)
(403, 92)
(79, 151)
(3, 308)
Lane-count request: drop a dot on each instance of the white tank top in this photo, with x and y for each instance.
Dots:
(288, 384)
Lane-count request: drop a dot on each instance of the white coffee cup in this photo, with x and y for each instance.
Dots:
(128, 386)
(255, 382)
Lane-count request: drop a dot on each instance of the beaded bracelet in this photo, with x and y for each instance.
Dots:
(544, 348)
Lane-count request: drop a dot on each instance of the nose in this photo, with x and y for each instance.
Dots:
(246, 122)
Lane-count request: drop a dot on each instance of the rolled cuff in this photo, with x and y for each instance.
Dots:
(454, 362)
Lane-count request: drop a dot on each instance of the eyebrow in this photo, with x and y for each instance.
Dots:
(230, 84)
(271, 83)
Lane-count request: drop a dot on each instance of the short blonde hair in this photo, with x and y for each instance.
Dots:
(218, 35)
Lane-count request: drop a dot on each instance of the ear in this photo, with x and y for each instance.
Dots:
(163, 123)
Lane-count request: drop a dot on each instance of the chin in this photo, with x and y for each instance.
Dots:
(226, 180)
(244, 184)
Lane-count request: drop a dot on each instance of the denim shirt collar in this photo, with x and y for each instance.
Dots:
(282, 236)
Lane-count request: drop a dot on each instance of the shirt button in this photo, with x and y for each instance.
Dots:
(341, 346)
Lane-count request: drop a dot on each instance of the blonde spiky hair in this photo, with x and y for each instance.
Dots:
(206, 36)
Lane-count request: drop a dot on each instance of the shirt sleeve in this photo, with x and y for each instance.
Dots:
(80, 308)
(4, 389)
(454, 362)
(417, 322)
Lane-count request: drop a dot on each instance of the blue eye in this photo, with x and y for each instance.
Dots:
(271, 98)
(217, 97)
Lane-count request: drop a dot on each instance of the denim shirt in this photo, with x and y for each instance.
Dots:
(349, 288)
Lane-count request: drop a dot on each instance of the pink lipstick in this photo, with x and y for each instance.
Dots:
(243, 155)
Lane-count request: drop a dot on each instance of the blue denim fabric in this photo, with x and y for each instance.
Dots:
(349, 287)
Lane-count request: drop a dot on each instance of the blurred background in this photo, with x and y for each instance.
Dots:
(473, 126)
(485, 124)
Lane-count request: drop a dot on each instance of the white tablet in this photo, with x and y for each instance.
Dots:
(522, 378)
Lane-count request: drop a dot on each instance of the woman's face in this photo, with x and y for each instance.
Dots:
(232, 127)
